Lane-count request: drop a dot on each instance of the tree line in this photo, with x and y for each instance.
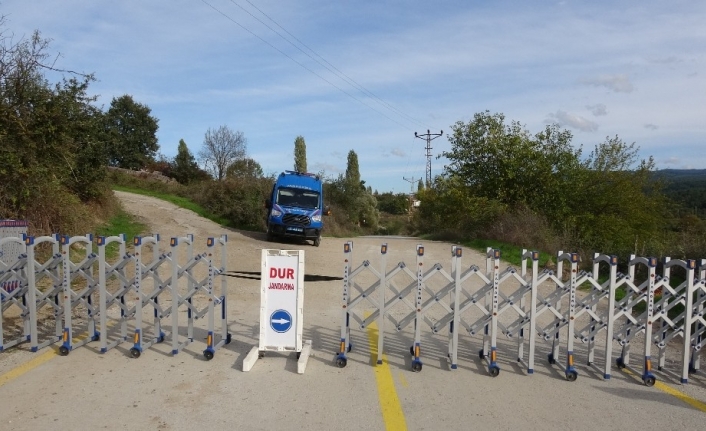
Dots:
(539, 190)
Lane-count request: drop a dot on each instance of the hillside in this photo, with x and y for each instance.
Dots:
(686, 187)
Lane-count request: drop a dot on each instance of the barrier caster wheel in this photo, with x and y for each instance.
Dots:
(572, 376)
(299, 355)
(208, 355)
(63, 351)
(260, 355)
(350, 347)
(135, 353)
(551, 359)
(649, 381)
(494, 371)
(620, 363)
(96, 337)
(481, 354)
(416, 366)
(228, 339)
(160, 339)
(341, 362)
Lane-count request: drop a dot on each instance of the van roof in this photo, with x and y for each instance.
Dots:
(299, 180)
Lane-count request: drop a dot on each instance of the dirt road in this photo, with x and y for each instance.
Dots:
(89, 390)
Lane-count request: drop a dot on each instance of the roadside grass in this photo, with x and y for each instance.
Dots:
(178, 201)
(120, 223)
(509, 253)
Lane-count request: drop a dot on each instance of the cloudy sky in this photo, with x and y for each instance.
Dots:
(366, 75)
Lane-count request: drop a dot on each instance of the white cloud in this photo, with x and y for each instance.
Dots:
(651, 126)
(671, 161)
(398, 152)
(567, 119)
(616, 83)
(597, 110)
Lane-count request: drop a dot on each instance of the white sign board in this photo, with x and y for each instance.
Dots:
(281, 300)
(10, 252)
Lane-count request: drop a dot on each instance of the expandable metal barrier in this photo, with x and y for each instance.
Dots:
(73, 285)
(183, 298)
(477, 300)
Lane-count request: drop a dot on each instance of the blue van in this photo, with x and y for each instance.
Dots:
(296, 206)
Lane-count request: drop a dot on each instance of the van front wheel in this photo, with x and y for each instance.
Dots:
(317, 241)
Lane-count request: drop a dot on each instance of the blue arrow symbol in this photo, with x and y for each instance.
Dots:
(281, 321)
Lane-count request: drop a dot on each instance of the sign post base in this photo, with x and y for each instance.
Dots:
(250, 359)
(304, 357)
(254, 354)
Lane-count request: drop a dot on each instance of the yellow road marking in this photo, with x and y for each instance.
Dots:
(28, 366)
(39, 360)
(700, 405)
(392, 413)
(682, 396)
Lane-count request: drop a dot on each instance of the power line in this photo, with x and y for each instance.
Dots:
(337, 72)
(300, 64)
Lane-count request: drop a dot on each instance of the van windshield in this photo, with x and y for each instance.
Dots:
(297, 198)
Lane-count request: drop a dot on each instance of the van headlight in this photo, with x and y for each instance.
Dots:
(316, 218)
(276, 213)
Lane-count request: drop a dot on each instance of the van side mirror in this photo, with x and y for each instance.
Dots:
(268, 203)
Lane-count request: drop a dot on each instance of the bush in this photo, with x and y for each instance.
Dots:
(393, 224)
(524, 228)
(239, 200)
(52, 208)
(449, 209)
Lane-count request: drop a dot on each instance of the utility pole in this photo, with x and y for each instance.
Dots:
(411, 191)
(428, 137)
(411, 185)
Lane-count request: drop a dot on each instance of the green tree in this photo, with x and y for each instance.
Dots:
(184, 167)
(132, 133)
(222, 147)
(622, 207)
(300, 154)
(420, 185)
(51, 139)
(352, 178)
(452, 207)
(392, 203)
(504, 162)
(244, 168)
(368, 214)
(358, 202)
